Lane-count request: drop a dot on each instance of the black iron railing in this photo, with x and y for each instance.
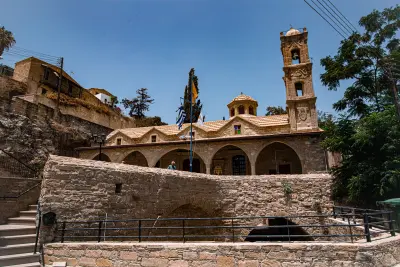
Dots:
(225, 229)
(16, 177)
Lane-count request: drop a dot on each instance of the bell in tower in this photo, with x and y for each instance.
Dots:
(300, 96)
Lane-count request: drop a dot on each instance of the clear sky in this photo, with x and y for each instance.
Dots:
(234, 45)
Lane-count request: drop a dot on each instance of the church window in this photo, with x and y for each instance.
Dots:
(251, 110)
(154, 138)
(241, 109)
(193, 135)
(119, 141)
(299, 88)
(239, 165)
(232, 112)
(237, 129)
(296, 56)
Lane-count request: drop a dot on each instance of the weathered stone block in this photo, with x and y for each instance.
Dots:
(224, 261)
(101, 262)
(84, 261)
(189, 255)
(178, 263)
(270, 263)
(128, 255)
(154, 262)
(207, 256)
(248, 263)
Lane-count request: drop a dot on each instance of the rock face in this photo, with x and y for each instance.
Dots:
(29, 132)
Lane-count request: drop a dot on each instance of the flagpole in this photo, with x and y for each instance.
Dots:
(191, 121)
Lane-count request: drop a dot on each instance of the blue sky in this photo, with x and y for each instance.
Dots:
(234, 45)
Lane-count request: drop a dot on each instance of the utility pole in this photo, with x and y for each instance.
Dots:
(59, 83)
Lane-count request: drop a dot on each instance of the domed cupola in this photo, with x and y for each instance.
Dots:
(243, 104)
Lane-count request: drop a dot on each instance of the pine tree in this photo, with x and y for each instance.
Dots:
(198, 105)
(139, 104)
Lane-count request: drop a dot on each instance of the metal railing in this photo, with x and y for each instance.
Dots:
(16, 177)
(224, 229)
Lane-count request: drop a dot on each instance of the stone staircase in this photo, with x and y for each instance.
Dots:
(17, 240)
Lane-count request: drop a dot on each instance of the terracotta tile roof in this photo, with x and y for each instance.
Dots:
(210, 126)
(242, 97)
(267, 121)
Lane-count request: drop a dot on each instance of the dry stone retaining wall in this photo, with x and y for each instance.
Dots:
(382, 253)
(77, 189)
(85, 189)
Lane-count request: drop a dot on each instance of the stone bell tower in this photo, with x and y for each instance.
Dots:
(300, 96)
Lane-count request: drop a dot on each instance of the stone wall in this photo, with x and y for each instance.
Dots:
(77, 189)
(109, 121)
(382, 253)
(11, 207)
(10, 87)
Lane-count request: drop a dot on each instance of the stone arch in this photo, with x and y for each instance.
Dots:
(278, 158)
(230, 160)
(102, 157)
(136, 158)
(251, 110)
(241, 109)
(181, 156)
(295, 55)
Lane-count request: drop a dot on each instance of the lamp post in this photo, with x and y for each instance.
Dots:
(99, 139)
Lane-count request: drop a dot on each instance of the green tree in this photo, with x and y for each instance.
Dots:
(186, 96)
(149, 121)
(325, 120)
(6, 70)
(271, 110)
(6, 40)
(138, 105)
(367, 59)
(367, 133)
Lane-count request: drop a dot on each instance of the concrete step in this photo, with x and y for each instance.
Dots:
(33, 207)
(16, 229)
(17, 239)
(28, 213)
(32, 264)
(23, 220)
(17, 249)
(24, 258)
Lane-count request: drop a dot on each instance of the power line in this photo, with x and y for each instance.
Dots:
(49, 60)
(32, 52)
(354, 28)
(324, 18)
(344, 27)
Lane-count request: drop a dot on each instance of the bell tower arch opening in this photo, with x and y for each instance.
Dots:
(300, 96)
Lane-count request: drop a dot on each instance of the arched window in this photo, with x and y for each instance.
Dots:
(299, 88)
(251, 110)
(296, 56)
(232, 112)
(241, 109)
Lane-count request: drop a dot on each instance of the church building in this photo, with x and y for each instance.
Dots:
(244, 144)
